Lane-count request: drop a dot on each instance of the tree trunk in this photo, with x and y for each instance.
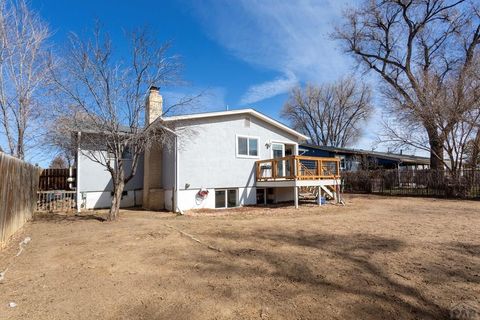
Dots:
(20, 146)
(475, 156)
(436, 149)
(116, 199)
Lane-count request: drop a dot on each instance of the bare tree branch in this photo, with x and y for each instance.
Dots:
(331, 115)
(23, 74)
(107, 92)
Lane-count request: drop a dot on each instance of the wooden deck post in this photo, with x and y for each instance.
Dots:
(274, 169)
(336, 194)
(319, 197)
(295, 191)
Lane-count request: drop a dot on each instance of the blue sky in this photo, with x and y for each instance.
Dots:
(245, 53)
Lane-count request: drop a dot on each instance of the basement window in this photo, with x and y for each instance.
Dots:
(247, 147)
(226, 198)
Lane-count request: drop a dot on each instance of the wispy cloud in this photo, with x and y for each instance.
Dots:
(290, 37)
(269, 89)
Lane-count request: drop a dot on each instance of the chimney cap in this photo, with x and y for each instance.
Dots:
(154, 88)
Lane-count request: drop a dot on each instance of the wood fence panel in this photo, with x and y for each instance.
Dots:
(18, 194)
(55, 179)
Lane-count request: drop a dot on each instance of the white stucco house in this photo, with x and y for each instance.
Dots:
(219, 160)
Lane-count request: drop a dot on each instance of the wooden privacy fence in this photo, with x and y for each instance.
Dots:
(18, 193)
(56, 179)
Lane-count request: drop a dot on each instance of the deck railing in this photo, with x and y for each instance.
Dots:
(297, 168)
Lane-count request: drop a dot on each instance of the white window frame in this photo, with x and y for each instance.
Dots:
(247, 156)
(284, 142)
(343, 160)
(226, 198)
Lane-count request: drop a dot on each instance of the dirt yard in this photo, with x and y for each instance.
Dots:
(375, 258)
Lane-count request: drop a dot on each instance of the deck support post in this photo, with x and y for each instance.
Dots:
(319, 197)
(337, 193)
(295, 191)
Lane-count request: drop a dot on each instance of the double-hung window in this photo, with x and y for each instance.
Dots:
(247, 147)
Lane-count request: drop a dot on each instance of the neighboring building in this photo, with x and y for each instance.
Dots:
(213, 162)
(357, 159)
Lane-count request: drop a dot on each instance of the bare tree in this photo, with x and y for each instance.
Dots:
(460, 134)
(23, 74)
(332, 114)
(459, 124)
(109, 90)
(419, 49)
(58, 163)
(59, 137)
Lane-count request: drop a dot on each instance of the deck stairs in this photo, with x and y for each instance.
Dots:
(311, 192)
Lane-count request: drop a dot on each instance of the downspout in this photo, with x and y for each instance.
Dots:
(175, 179)
(175, 197)
(79, 135)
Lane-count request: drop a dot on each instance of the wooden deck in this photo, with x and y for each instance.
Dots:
(297, 168)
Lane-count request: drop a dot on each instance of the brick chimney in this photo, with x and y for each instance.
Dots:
(153, 105)
(153, 193)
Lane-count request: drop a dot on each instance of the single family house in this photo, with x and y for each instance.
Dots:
(216, 160)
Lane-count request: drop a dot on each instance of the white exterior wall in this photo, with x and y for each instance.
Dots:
(187, 199)
(99, 200)
(247, 196)
(95, 185)
(168, 193)
(284, 194)
(207, 158)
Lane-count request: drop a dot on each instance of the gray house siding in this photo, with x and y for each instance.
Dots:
(95, 184)
(207, 152)
(168, 167)
(207, 158)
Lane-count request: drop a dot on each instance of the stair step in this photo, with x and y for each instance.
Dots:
(308, 196)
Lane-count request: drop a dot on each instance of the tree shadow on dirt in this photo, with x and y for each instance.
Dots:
(347, 255)
(62, 217)
(462, 266)
(464, 248)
